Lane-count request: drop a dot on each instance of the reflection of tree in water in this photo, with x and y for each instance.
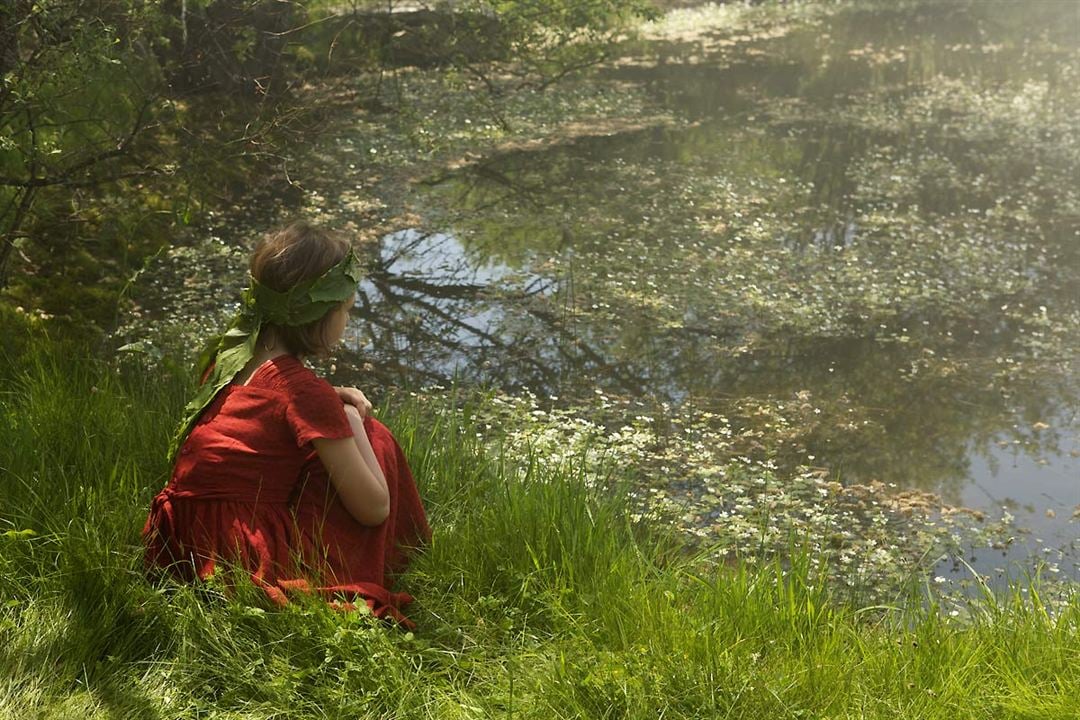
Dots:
(836, 256)
(905, 405)
(884, 415)
(429, 313)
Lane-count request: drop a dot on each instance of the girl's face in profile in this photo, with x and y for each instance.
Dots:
(339, 320)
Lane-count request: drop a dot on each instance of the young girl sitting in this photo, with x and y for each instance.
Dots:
(274, 469)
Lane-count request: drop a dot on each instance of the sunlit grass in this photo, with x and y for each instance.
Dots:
(537, 598)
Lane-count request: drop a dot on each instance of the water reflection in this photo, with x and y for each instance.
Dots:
(425, 305)
(873, 224)
(874, 411)
(429, 313)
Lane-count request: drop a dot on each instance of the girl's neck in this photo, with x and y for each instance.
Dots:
(262, 356)
(267, 348)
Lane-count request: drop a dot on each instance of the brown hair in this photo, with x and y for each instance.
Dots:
(287, 257)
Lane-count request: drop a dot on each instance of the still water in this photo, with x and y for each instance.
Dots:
(870, 215)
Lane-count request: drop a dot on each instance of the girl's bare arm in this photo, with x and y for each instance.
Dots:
(355, 472)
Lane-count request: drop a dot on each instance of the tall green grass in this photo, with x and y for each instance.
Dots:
(537, 598)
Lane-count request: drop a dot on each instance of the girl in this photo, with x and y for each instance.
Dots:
(274, 469)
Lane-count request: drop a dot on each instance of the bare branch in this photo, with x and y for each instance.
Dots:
(67, 176)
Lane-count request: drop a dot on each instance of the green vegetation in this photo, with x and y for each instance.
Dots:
(121, 124)
(125, 126)
(538, 597)
(781, 247)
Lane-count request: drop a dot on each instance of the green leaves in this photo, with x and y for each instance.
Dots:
(308, 301)
(230, 352)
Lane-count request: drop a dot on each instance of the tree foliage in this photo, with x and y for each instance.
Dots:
(108, 133)
(76, 103)
(121, 119)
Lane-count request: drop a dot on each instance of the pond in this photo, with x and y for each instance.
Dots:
(872, 211)
(854, 241)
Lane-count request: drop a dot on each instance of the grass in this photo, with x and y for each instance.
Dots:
(537, 598)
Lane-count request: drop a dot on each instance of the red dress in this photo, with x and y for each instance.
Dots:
(249, 489)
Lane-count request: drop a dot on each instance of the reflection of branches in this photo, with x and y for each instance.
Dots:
(629, 384)
(442, 301)
(391, 286)
(444, 290)
(411, 245)
(486, 172)
(453, 291)
(403, 294)
(536, 286)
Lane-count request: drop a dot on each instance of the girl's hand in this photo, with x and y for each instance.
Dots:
(352, 396)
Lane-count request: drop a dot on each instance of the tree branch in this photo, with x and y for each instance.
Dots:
(67, 176)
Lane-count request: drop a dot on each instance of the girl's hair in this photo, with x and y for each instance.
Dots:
(285, 258)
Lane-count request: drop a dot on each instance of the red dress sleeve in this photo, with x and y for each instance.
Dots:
(316, 411)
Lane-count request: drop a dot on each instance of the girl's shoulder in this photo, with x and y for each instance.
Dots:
(312, 407)
(289, 374)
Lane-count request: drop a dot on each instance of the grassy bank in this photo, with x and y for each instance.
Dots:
(537, 598)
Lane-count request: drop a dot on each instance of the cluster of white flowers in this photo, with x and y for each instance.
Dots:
(688, 470)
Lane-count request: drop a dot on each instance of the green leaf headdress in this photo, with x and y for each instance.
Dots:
(228, 354)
